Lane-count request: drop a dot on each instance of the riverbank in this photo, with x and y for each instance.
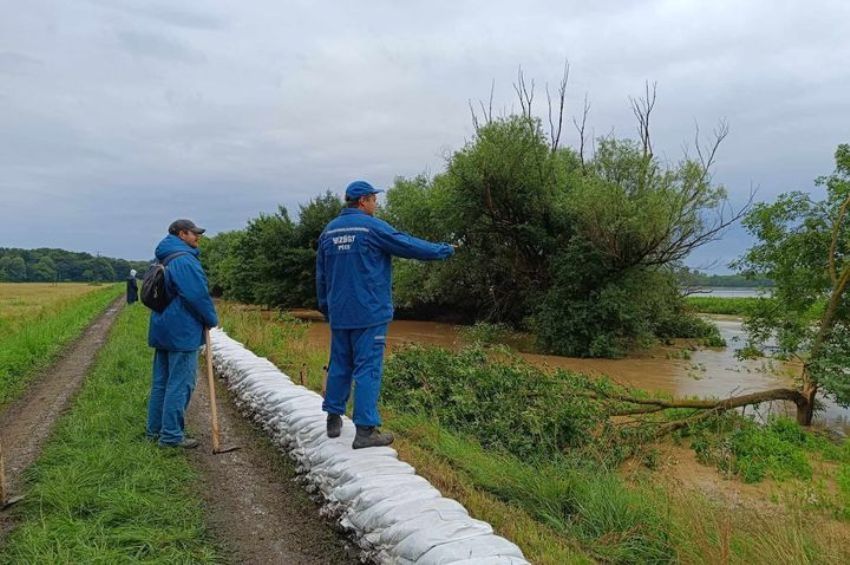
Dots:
(573, 507)
(680, 369)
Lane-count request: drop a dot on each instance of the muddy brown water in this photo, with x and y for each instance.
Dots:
(677, 370)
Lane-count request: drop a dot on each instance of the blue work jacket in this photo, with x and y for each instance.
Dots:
(180, 327)
(354, 268)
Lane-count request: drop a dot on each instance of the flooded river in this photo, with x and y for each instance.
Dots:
(677, 370)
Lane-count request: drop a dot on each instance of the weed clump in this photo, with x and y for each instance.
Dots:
(779, 450)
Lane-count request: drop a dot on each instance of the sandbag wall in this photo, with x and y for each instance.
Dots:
(397, 516)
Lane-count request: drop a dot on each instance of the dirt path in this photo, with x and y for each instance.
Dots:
(27, 422)
(253, 505)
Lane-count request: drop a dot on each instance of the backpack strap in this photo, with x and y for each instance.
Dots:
(168, 258)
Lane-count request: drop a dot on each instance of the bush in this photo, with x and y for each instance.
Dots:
(505, 403)
(585, 316)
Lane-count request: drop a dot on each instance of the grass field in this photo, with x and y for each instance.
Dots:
(20, 302)
(37, 320)
(100, 493)
(736, 306)
(569, 511)
(728, 306)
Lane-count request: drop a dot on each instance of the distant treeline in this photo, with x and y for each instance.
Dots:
(58, 265)
(696, 278)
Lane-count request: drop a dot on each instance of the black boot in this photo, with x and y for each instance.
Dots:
(334, 425)
(370, 436)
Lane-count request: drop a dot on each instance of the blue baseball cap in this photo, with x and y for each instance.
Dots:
(360, 188)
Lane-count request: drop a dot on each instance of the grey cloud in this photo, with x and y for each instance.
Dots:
(168, 14)
(219, 112)
(12, 63)
(158, 46)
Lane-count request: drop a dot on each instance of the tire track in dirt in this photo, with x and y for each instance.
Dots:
(26, 423)
(253, 505)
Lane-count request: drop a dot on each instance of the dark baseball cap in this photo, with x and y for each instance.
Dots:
(360, 188)
(184, 225)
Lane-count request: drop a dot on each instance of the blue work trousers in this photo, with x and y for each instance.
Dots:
(356, 355)
(174, 376)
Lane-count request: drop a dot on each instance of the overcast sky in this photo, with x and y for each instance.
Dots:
(118, 116)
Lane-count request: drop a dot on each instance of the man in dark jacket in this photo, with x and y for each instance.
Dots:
(177, 333)
(353, 283)
(132, 287)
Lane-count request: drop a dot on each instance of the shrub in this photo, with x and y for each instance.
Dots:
(504, 403)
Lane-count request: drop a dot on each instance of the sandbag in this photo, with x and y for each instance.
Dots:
(397, 516)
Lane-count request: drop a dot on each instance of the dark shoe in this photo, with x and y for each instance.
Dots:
(334, 425)
(185, 443)
(371, 437)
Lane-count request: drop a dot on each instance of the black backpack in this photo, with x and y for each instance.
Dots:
(153, 294)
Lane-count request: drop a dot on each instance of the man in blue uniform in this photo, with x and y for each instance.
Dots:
(353, 283)
(177, 333)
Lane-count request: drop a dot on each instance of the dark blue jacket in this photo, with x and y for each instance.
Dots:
(354, 268)
(180, 327)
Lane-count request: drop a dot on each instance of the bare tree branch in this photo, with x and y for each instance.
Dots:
(581, 129)
(524, 93)
(555, 133)
(474, 116)
(708, 154)
(486, 111)
(642, 109)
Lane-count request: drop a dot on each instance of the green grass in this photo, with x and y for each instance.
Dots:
(779, 450)
(100, 493)
(739, 306)
(581, 501)
(734, 306)
(30, 341)
(617, 521)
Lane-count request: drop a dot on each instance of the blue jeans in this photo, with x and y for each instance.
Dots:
(356, 355)
(174, 375)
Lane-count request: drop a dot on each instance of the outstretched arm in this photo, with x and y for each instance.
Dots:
(405, 245)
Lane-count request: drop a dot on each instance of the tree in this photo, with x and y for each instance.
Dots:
(13, 268)
(313, 217)
(43, 270)
(100, 269)
(582, 248)
(804, 246)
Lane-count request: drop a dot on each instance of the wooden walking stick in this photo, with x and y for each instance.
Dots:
(216, 438)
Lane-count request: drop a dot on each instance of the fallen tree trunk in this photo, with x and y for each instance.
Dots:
(706, 407)
(789, 394)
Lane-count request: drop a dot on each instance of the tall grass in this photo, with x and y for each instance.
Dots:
(30, 341)
(100, 493)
